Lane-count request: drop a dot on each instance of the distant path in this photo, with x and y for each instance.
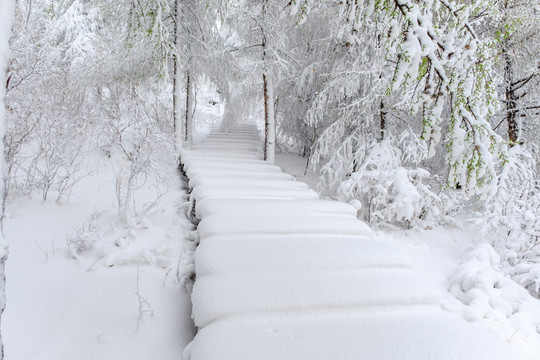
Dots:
(283, 275)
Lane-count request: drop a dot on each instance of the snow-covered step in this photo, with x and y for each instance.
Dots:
(378, 333)
(242, 181)
(194, 170)
(243, 207)
(249, 133)
(220, 297)
(219, 155)
(230, 147)
(226, 254)
(231, 141)
(239, 173)
(251, 192)
(238, 150)
(221, 144)
(233, 138)
(238, 130)
(282, 224)
(233, 165)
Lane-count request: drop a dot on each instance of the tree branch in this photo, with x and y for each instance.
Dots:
(520, 83)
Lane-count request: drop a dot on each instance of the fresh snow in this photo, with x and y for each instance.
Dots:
(375, 334)
(276, 278)
(243, 207)
(270, 283)
(221, 255)
(119, 299)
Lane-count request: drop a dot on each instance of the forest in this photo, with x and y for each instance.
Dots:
(421, 114)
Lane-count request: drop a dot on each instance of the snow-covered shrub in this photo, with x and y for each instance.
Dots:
(137, 149)
(84, 238)
(482, 293)
(393, 196)
(513, 224)
(389, 192)
(149, 237)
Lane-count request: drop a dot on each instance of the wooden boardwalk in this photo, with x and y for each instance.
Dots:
(281, 274)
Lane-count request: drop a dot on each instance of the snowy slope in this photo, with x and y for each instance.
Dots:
(60, 308)
(284, 275)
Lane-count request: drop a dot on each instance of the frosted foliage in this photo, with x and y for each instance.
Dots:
(64, 67)
(301, 9)
(388, 192)
(150, 22)
(514, 221)
(75, 34)
(442, 63)
(415, 66)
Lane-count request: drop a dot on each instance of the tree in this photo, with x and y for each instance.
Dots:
(83, 81)
(177, 29)
(514, 212)
(7, 9)
(258, 33)
(435, 71)
(53, 77)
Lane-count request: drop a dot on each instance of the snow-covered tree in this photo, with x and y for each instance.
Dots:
(81, 81)
(6, 18)
(403, 67)
(257, 36)
(512, 218)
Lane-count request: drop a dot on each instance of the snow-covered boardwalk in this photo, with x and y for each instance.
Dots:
(281, 274)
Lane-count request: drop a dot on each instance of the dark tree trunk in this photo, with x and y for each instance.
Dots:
(268, 93)
(382, 115)
(188, 114)
(266, 117)
(510, 100)
(176, 80)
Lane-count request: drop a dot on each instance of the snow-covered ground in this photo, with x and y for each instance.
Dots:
(465, 268)
(461, 264)
(82, 285)
(122, 299)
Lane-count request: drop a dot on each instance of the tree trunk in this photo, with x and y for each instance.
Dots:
(269, 123)
(510, 100)
(382, 115)
(183, 122)
(177, 122)
(514, 130)
(268, 93)
(188, 134)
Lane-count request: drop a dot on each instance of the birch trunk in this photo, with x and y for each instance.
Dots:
(177, 90)
(269, 120)
(268, 93)
(188, 133)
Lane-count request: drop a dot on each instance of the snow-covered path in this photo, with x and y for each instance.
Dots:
(281, 274)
